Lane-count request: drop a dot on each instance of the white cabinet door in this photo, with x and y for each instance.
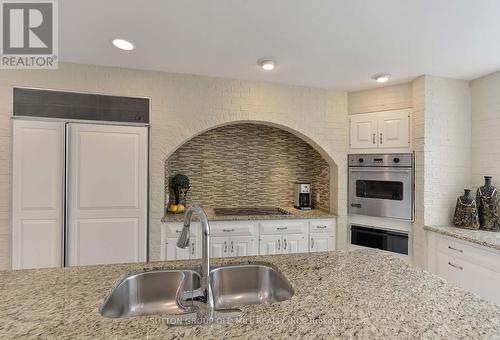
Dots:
(363, 131)
(107, 194)
(242, 246)
(270, 244)
(320, 242)
(294, 243)
(37, 194)
(394, 129)
(219, 247)
(176, 253)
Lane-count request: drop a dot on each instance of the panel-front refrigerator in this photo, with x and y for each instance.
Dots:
(79, 193)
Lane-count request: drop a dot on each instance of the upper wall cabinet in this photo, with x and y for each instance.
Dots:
(385, 130)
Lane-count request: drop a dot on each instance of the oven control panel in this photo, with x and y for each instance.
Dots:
(395, 160)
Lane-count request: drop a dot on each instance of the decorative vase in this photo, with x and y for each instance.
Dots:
(488, 205)
(466, 212)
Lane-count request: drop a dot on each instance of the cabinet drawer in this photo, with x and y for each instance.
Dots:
(477, 279)
(321, 226)
(468, 252)
(233, 228)
(175, 229)
(283, 227)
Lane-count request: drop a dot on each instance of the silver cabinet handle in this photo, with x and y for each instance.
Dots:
(455, 249)
(455, 266)
(373, 138)
(281, 228)
(381, 141)
(193, 248)
(225, 247)
(228, 230)
(312, 242)
(279, 245)
(284, 244)
(232, 247)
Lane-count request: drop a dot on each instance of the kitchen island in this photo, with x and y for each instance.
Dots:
(364, 293)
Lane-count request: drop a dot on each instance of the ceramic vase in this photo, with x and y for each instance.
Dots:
(466, 215)
(488, 205)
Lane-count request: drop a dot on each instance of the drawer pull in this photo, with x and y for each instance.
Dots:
(228, 230)
(455, 249)
(455, 266)
(282, 228)
(321, 226)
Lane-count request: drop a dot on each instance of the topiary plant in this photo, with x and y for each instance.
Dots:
(179, 184)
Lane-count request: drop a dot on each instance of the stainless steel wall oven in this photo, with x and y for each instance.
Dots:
(382, 185)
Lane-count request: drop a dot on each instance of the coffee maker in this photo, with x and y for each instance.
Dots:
(302, 196)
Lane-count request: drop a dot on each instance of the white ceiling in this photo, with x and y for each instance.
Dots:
(324, 43)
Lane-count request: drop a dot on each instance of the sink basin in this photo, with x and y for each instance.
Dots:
(161, 291)
(148, 293)
(235, 286)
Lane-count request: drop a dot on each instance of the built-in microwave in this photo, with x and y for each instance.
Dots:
(390, 240)
(382, 185)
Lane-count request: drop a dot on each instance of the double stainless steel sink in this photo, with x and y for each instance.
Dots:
(166, 292)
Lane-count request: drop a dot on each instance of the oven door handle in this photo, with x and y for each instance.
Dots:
(382, 170)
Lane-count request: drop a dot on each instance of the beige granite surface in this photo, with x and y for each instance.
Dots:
(295, 214)
(485, 238)
(366, 294)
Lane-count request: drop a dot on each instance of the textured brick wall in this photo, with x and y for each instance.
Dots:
(486, 129)
(183, 106)
(245, 165)
(442, 142)
(393, 97)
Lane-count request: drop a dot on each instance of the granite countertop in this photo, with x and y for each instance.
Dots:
(485, 238)
(358, 294)
(295, 214)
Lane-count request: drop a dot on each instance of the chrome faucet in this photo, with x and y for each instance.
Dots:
(204, 294)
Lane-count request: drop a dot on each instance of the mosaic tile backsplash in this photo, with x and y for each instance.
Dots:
(248, 165)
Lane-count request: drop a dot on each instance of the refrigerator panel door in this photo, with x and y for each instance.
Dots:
(37, 194)
(106, 194)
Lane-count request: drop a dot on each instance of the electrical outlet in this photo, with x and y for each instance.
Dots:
(318, 199)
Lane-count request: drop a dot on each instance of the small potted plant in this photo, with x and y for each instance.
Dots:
(180, 186)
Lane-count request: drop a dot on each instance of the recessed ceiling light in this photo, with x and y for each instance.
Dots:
(267, 64)
(381, 78)
(123, 44)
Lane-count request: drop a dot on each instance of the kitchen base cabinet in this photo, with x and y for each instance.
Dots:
(233, 246)
(270, 244)
(283, 237)
(249, 238)
(321, 235)
(169, 250)
(470, 266)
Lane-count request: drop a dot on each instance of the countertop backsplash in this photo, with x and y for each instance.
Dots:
(249, 165)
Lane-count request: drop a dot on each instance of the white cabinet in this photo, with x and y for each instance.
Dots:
(394, 129)
(380, 130)
(233, 246)
(363, 131)
(170, 233)
(37, 195)
(248, 238)
(283, 237)
(270, 244)
(321, 235)
(468, 265)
